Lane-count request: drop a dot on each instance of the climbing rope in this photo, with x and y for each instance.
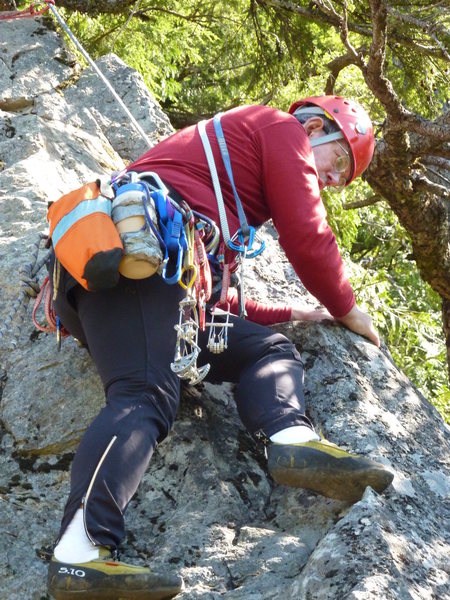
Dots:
(31, 11)
(47, 296)
(29, 289)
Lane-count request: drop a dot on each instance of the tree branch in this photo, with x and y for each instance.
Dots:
(327, 15)
(438, 174)
(336, 66)
(442, 163)
(422, 25)
(421, 182)
(399, 118)
(189, 17)
(361, 203)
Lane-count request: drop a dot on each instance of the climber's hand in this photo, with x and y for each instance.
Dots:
(304, 313)
(360, 322)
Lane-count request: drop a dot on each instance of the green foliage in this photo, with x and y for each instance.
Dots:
(197, 57)
(405, 309)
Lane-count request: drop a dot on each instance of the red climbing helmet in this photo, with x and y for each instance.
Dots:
(354, 123)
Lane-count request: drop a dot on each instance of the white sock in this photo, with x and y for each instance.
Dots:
(74, 545)
(295, 435)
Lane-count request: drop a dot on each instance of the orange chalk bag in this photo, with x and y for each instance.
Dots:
(85, 239)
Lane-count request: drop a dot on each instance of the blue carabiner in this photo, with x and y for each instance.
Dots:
(176, 246)
(161, 205)
(246, 248)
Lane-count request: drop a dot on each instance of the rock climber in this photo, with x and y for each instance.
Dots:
(281, 161)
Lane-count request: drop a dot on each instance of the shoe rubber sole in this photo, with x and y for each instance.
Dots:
(337, 475)
(108, 595)
(69, 582)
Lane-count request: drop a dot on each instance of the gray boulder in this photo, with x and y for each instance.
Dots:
(206, 506)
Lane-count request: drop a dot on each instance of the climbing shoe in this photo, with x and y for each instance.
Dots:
(108, 579)
(325, 468)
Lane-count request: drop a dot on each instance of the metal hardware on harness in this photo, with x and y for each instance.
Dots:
(241, 292)
(187, 348)
(171, 235)
(218, 333)
(185, 262)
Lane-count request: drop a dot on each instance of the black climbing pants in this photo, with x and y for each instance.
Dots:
(129, 331)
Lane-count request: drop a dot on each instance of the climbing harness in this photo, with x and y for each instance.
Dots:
(244, 238)
(153, 230)
(176, 238)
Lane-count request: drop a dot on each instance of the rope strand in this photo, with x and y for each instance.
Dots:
(30, 288)
(133, 121)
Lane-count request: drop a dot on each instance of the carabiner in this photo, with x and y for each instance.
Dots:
(245, 246)
(189, 262)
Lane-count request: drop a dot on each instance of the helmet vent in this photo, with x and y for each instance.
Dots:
(360, 128)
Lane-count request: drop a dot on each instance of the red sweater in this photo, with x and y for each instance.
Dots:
(276, 178)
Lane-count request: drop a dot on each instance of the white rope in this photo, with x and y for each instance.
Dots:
(133, 121)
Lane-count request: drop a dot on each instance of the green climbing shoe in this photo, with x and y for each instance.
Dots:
(107, 579)
(325, 468)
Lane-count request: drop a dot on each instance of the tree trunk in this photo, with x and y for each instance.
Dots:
(420, 206)
(446, 328)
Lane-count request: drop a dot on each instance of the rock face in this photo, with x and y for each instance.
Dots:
(206, 506)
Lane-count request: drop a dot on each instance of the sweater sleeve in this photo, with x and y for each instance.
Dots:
(260, 313)
(292, 193)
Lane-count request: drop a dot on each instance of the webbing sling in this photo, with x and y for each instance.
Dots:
(246, 234)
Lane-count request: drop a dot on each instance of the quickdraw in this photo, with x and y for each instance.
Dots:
(173, 233)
